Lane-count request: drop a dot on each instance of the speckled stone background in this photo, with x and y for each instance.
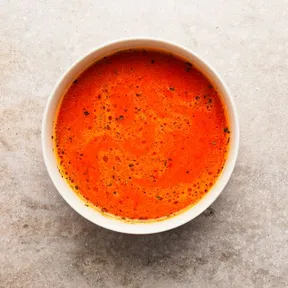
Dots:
(241, 241)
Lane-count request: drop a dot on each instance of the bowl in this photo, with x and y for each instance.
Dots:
(92, 214)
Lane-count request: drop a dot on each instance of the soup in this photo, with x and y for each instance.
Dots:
(141, 135)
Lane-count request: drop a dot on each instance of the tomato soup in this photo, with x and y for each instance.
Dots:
(141, 135)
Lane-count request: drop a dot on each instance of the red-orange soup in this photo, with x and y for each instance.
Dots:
(141, 135)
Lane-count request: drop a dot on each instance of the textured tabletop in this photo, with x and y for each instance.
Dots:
(240, 241)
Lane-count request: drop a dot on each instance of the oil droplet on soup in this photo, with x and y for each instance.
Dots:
(141, 135)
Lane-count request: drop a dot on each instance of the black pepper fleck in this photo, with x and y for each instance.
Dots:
(226, 130)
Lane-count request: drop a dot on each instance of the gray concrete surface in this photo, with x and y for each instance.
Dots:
(241, 241)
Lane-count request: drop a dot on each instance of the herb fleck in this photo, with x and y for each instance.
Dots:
(131, 165)
(172, 88)
(159, 197)
(121, 117)
(226, 130)
(86, 113)
(76, 187)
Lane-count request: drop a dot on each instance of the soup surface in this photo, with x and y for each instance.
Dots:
(141, 135)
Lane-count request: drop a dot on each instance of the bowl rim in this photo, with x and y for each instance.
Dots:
(114, 224)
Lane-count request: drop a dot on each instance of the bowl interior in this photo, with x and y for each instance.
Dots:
(70, 196)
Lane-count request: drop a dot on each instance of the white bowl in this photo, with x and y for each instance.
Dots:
(92, 214)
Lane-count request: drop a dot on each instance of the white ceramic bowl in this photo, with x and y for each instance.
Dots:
(92, 214)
